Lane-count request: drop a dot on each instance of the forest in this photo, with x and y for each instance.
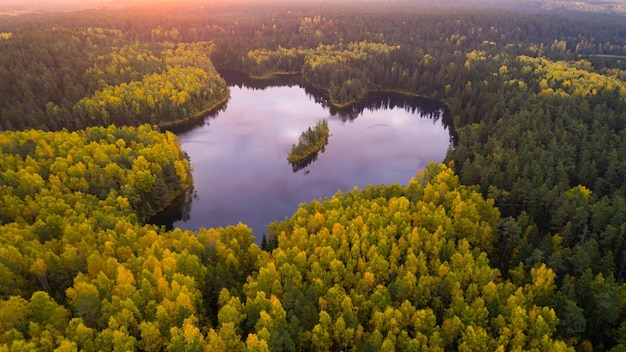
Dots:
(516, 241)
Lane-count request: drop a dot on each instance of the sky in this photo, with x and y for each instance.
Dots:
(73, 4)
(13, 7)
(47, 5)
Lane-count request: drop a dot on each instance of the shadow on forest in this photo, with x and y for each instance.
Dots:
(178, 210)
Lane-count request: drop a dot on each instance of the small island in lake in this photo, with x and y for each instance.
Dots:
(310, 143)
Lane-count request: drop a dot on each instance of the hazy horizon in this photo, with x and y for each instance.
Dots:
(34, 5)
(17, 7)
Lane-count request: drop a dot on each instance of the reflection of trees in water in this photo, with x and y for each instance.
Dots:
(179, 210)
(242, 80)
(199, 122)
(311, 142)
(303, 163)
(375, 101)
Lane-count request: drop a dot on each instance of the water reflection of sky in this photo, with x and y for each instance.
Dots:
(241, 173)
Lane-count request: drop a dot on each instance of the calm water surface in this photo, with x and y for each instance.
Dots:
(241, 172)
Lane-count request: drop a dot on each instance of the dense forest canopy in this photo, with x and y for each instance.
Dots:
(517, 242)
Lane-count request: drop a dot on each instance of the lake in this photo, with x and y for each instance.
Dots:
(239, 154)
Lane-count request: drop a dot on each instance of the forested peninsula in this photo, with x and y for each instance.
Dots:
(516, 241)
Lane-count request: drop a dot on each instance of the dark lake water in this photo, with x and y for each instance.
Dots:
(239, 155)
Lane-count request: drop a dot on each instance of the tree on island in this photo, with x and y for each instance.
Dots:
(310, 143)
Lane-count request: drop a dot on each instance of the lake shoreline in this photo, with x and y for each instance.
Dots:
(272, 74)
(244, 150)
(201, 114)
(331, 102)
